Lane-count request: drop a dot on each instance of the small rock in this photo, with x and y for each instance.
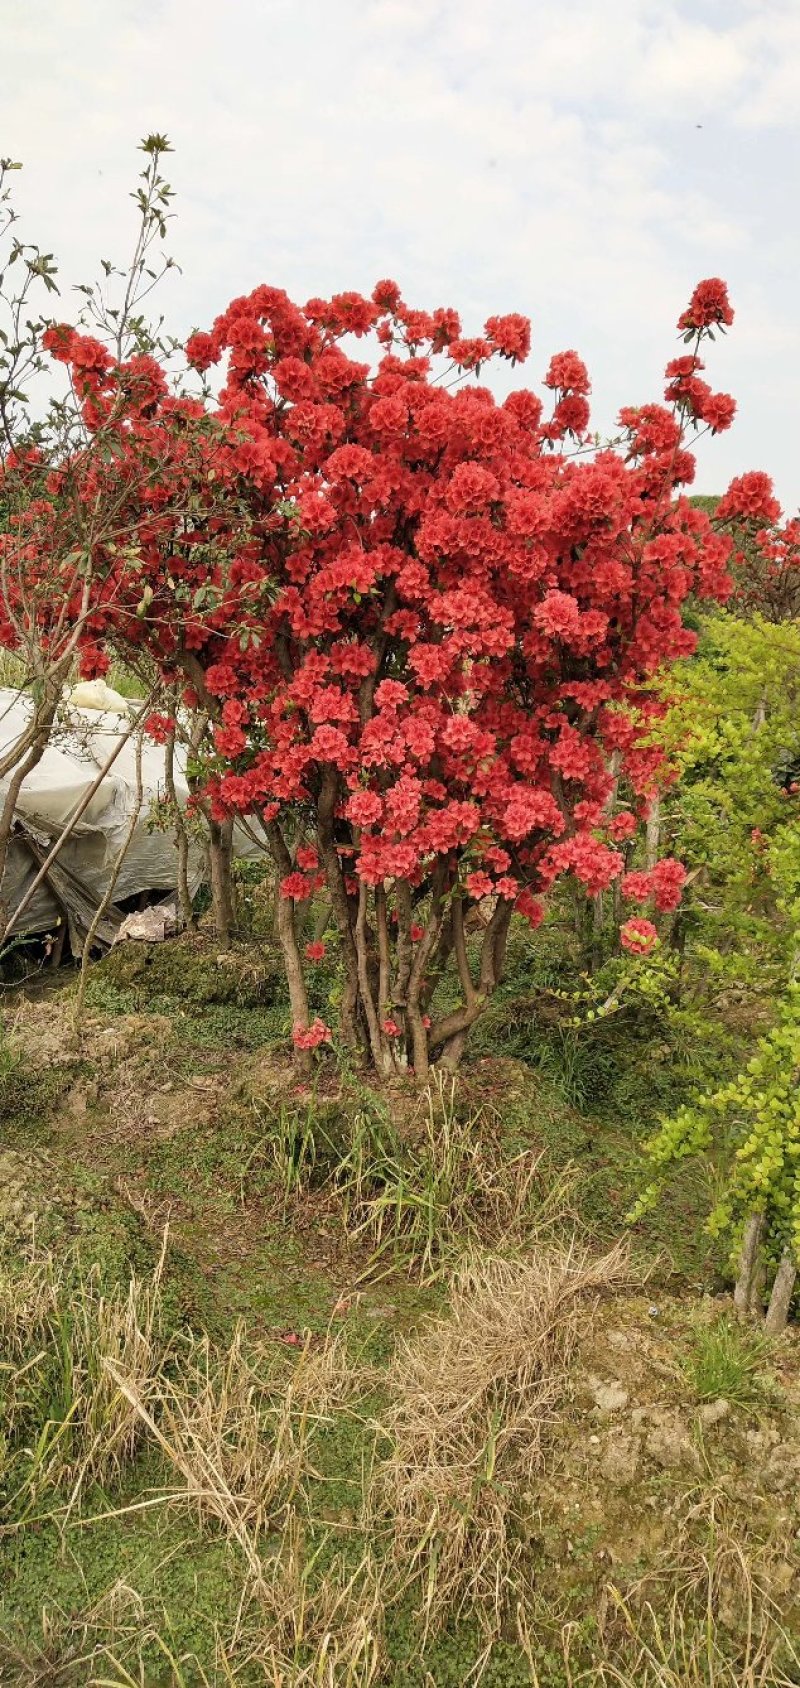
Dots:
(780, 1473)
(610, 1397)
(713, 1412)
(782, 1576)
(621, 1458)
(652, 1312)
(670, 1444)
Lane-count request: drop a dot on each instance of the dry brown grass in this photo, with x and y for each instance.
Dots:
(71, 1646)
(239, 1441)
(323, 1631)
(474, 1395)
(475, 1398)
(710, 1620)
(309, 1631)
(68, 1344)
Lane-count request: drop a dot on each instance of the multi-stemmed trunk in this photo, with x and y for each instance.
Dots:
(18, 762)
(749, 1291)
(390, 971)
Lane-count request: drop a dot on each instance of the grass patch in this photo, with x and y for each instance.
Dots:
(267, 1508)
(66, 1422)
(705, 1618)
(29, 1096)
(727, 1361)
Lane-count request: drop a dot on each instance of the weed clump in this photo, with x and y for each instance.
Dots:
(727, 1361)
(236, 1437)
(706, 1617)
(65, 1345)
(424, 1197)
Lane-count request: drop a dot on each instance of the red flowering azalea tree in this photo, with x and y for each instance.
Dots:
(427, 647)
(767, 548)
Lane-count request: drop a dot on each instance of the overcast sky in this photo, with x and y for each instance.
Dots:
(583, 161)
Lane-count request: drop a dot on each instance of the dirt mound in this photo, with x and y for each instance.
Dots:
(647, 1435)
(192, 969)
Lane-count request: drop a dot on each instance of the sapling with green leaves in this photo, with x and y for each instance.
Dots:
(755, 1122)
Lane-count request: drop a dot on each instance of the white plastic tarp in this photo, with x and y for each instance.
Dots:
(80, 745)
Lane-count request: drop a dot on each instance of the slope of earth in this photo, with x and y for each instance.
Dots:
(649, 1526)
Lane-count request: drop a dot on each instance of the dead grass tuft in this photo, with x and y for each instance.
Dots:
(68, 1348)
(454, 1188)
(321, 1629)
(474, 1395)
(421, 1197)
(238, 1439)
(70, 1646)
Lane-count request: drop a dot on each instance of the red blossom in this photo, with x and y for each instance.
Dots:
(310, 1037)
(708, 305)
(749, 498)
(718, 412)
(158, 727)
(307, 858)
(568, 373)
(668, 879)
(509, 335)
(637, 886)
(296, 887)
(638, 936)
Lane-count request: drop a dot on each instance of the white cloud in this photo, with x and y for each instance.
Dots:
(518, 155)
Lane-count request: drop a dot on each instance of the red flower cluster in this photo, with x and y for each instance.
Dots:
(749, 498)
(708, 306)
(638, 936)
(310, 1037)
(663, 883)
